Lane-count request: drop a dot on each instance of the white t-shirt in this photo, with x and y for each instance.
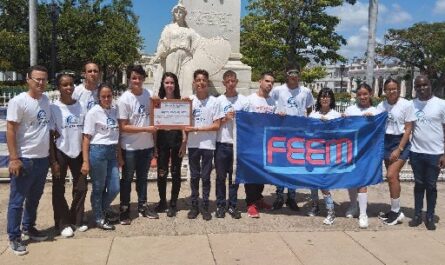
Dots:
(428, 135)
(33, 117)
(135, 109)
(332, 114)
(227, 104)
(398, 115)
(102, 125)
(68, 120)
(293, 102)
(355, 110)
(260, 105)
(205, 112)
(87, 98)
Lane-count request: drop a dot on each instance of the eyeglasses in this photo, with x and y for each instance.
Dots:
(93, 71)
(39, 80)
(391, 91)
(293, 73)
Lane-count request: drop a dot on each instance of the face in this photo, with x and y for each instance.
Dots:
(66, 86)
(37, 82)
(325, 101)
(169, 86)
(230, 83)
(201, 84)
(293, 78)
(105, 97)
(363, 97)
(91, 73)
(392, 91)
(423, 88)
(136, 80)
(266, 84)
(179, 14)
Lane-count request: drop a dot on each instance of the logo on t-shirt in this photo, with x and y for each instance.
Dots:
(391, 118)
(72, 121)
(420, 115)
(228, 108)
(142, 112)
(291, 102)
(90, 104)
(42, 119)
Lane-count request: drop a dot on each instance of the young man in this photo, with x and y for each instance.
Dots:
(201, 142)
(259, 102)
(228, 103)
(27, 137)
(427, 150)
(295, 100)
(86, 93)
(136, 142)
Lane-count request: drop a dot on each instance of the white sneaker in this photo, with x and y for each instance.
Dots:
(352, 211)
(363, 221)
(82, 228)
(67, 232)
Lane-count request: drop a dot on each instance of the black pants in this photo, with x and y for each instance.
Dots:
(168, 145)
(253, 193)
(64, 216)
(200, 161)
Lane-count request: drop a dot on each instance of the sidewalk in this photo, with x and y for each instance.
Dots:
(281, 237)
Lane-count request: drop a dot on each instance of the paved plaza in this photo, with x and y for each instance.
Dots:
(277, 237)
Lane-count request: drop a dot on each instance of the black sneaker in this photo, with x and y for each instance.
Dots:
(430, 225)
(384, 216)
(220, 212)
(125, 215)
(314, 211)
(145, 211)
(193, 213)
(171, 211)
(206, 215)
(161, 207)
(105, 225)
(111, 216)
(394, 218)
(278, 203)
(234, 212)
(292, 204)
(18, 247)
(34, 234)
(416, 221)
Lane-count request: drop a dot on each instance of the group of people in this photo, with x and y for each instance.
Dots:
(89, 134)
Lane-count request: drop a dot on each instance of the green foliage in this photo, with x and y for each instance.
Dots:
(421, 45)
(309, 75)
(277, 33)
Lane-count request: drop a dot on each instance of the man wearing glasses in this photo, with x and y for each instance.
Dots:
(295, 100)
(86, 93)
(27, 135)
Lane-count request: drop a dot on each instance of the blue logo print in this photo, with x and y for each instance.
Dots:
(90, 104)
(228, 108)
(41, 117)
(141, 109)
(291, 103)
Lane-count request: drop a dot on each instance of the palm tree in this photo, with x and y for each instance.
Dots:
(370, 55)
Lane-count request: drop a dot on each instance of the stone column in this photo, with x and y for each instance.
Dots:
(376, 87)
(403, 88)
(124, 77)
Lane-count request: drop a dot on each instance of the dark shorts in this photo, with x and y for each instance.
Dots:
(392, 142)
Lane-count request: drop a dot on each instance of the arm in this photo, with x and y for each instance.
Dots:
(213, 127)
(55, 168)
(405, 138)
(125, 127)
(442, 158)
(308, 111)
(86, 154)
(183, 148)
(14, 162)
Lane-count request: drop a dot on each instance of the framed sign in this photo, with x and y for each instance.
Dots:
(171, 113)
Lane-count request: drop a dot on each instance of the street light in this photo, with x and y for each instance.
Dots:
(342, 70)
(54, 16)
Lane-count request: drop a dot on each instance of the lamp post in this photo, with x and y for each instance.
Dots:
(342, 70)
(54, 16)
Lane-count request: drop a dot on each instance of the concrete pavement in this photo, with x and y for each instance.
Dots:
(281, 237)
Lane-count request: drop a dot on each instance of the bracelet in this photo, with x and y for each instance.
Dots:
(401, 149)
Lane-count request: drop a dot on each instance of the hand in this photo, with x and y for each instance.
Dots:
(343, 115)
(323, 118)
(15, 166)
(56, 134)
(230, 115)
(368, 114)
(190, 129)
(85, 169)
(183, 149)
(55, 170)
(281, 113)
(152, 129)
(120, 161)
(394, 155)
(442, 161)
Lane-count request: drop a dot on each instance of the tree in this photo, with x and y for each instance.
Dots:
(420, 46)
(277, 33)
(309, 75)
(370, 54)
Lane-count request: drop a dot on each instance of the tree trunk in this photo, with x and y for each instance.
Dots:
(372, 25)
(33, 32)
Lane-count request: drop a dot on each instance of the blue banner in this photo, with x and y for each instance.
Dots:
(304, 152)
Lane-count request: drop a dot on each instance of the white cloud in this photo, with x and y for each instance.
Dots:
(400, 16)
(439, 7)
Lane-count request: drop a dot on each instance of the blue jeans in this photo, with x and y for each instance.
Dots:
(135, 161)
(200, 161)
(104, 173)
(291, 194)
(26, 188)
(224, 169)
(426, 171)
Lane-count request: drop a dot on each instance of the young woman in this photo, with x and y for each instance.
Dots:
(171, 146)
(397, 146)
(65, 151)
(362, 108)
(101, 155)
(324, 110)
